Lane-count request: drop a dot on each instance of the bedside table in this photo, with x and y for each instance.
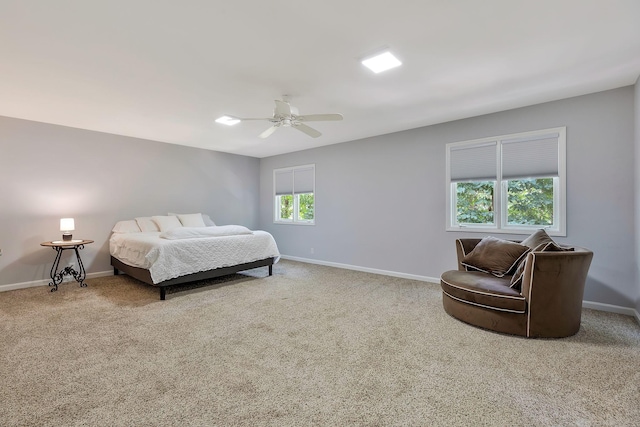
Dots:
(59, 246)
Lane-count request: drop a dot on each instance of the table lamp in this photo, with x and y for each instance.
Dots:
(66, 226)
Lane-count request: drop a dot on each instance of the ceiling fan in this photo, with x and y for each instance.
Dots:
(286, 115)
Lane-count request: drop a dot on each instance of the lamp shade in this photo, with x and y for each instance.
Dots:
(67, 224)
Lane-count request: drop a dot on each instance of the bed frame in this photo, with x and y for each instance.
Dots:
(145, 276)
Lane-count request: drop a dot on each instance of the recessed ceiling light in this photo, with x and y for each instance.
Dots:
(227, 120)
(381, 62)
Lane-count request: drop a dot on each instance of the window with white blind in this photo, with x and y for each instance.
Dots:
(294, 194)
(509, 183)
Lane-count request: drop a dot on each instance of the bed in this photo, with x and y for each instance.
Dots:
(169, 250)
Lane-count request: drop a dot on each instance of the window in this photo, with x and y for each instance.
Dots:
(508, 184)
(294, 190)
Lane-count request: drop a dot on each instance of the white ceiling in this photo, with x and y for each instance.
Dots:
(164, 70)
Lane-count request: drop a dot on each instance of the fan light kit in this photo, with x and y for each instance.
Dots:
(228, 120)
(381, 62)
(286, 115)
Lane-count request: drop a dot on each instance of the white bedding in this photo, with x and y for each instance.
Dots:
(198, 232)
(167, 259)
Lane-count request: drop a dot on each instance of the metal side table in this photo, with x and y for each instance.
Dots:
(59, 246)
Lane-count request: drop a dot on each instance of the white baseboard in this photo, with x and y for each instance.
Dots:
(364, 269)
(611, 308)
(44, 282)
(586, 304)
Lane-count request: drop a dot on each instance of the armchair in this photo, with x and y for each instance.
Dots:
(549, 304)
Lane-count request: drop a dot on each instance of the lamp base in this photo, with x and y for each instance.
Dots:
(66, 237)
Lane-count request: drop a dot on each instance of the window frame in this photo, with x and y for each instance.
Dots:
(500, 199)
(296, 197)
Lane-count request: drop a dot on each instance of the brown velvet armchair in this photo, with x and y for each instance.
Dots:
(548, 305)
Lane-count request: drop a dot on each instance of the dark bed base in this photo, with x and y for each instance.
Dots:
(144, 275)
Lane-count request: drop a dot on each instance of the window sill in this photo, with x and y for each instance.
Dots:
(293, 223)
(491, 230)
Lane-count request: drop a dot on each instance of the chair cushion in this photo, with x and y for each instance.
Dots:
(482, 289)
(495, 256)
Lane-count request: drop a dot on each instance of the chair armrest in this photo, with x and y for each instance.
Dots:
(553, 286)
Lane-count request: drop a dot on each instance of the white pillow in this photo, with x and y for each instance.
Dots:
(146, 224)
(205, 219)
(191, 220)
(208, 222)
(166, 223)
(129, 226)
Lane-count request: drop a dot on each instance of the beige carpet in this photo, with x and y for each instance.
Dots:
(310, 345)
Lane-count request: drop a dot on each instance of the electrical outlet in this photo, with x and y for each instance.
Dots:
(312, 251)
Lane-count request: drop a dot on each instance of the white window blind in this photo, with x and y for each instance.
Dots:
(294, 180)
(284, 182)
(530, 157)
(475, 162)
(303, 180)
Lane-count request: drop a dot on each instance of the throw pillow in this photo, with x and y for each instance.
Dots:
(146, 224)
(540, 237)
(495, 256)
(129, 226)
(191, 220)
(166, 223)
(208, 221)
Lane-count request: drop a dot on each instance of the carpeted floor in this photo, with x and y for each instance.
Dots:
(310, 345)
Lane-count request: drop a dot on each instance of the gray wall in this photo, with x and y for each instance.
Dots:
(48, 172)
(381, 201)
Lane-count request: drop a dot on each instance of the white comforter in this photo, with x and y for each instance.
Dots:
(167, 259)
(198, 232)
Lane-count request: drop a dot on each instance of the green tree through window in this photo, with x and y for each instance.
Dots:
(474, 202)
(306, 202)
(530, 202)
(286, 206)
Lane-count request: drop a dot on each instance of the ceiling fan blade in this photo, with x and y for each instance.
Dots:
(254, 118)
(282, 109)
(268, 132)
(306, 129)
(320, 117)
